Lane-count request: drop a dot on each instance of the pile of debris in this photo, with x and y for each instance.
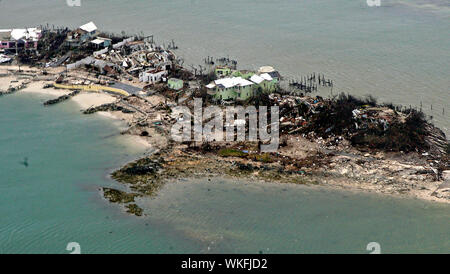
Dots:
(363, 122)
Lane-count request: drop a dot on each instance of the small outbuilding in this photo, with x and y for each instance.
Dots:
(174, 83)
(101, 42)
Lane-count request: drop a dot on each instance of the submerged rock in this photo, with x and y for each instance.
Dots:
(134, 209)
(142, 167)
(117, 196)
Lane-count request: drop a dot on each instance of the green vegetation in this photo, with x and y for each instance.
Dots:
(142, 175)
(264, 157)
(134, 209)
(407, 136)
(228, 152)
(336, 118)
(117, 196)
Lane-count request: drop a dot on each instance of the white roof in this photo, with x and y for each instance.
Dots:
(211, 85)
(89, 27)
(97, 41)
(4, 59)
(30, 33)
(256, 79)
(233, 81)
(266, 76)
(266, 69)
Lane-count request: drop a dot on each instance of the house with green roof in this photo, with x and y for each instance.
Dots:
(231, 89)
(174, 83)
(222, 71)
(243, 84)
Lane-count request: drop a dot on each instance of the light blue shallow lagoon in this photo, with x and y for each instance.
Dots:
(398, 52)
(56, 200)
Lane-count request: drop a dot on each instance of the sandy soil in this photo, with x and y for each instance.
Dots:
(37, 87)
(84, 100)
(25, 69)
(5, 82)
(375, 173)
(89, 99)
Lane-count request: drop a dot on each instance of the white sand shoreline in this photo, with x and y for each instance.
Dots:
(84, 100)
(92, 99)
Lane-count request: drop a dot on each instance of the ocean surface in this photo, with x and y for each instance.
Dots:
(398, 52)
(56, 200)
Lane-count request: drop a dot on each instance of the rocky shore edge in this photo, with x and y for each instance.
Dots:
(326, 160)
(302, 158)
(386, 173)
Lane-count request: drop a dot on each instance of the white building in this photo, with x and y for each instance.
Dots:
(152, 76)
(90, 28)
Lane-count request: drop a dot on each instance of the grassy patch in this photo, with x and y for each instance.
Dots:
(265, 158)
(117, 196)
(228, 152)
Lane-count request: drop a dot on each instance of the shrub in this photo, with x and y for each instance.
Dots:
(228, 152)
(408, 136)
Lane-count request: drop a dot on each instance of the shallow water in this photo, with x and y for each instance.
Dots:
(55, 200)
(399, 52)
(254, 217)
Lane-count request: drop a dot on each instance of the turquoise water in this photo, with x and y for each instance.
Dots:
(55, 200)
(399, 52)
(251, 217)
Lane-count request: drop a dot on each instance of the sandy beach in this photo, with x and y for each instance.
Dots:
(393, 176)
(84, 99)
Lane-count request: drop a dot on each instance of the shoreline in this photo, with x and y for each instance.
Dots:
(314, 187)
(331, 171)
(185, 166)
(84, 100)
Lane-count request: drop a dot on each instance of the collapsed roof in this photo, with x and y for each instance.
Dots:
(19, 34)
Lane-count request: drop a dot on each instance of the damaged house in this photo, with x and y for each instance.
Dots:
(231, 89)
(101, 42)
(83, 34)
(153, 76)
(243, 84)
(19, 39)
